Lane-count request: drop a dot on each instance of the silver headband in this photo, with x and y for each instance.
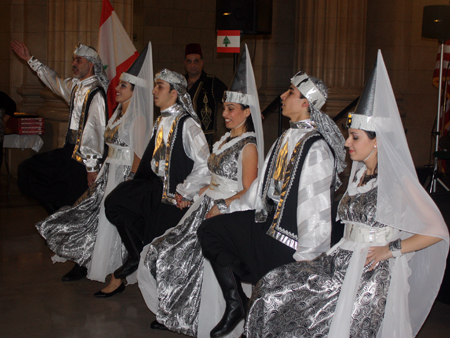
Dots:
(86, 52)
(177, 80)
(133, 79)
(92, 56)
(358, 121)
(309, 90)
(237, 97)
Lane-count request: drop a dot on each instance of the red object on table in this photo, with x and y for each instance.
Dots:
(25, 124)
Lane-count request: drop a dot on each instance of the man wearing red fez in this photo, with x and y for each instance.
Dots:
(206, 90)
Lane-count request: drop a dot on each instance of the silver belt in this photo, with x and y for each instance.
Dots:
(364, 234)
(123, 154)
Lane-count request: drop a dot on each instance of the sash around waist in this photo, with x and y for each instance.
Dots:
(121, 154)
(364, 234)
(223, 185)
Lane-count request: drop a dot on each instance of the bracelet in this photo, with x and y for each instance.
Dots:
(395, 247)
(131, 175)
(221, 205)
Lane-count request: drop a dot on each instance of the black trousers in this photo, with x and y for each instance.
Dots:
(53, 178)
(235, 240)
(136, 205)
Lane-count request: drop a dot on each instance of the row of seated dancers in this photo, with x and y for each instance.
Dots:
(228, 244)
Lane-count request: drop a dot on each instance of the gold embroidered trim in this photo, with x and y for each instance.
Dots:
(76, 155)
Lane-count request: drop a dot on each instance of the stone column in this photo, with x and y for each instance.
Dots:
(330, 44)
(29, 24)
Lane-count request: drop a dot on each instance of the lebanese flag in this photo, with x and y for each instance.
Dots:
(115, 49)
(228, 41)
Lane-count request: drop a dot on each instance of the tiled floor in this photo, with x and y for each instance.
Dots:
(35, 303)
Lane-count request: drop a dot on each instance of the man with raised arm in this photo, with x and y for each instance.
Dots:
(59, 177)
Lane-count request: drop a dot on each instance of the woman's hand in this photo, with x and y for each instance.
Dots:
(91, 177)
(202, 190)
(377, 254)
(181, 203)
(213, 212)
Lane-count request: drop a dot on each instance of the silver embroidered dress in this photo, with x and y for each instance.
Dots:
(81, 233)
(300, 299)
(177, 283)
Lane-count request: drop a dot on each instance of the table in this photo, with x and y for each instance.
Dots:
(19, 142)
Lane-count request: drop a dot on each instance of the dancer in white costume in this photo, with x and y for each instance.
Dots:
(177, 283)
(382, 278)
(81, 233)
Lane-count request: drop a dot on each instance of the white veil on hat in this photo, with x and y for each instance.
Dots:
(243, 90)
(402, 204)
(136, 128)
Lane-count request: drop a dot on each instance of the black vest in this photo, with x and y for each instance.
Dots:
(284, 223)
(178, 164)
(203, 94)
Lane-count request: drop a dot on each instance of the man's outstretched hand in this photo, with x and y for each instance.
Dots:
(21, 50)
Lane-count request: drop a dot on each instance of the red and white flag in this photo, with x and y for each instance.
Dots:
(445, 83)
(115, 49)
(228, 41)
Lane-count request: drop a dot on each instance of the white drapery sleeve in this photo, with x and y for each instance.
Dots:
(314, 203)
(92, 142)
(59, 86)
(196, 148)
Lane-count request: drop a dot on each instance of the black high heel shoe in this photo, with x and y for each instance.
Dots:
(155, 325)
(102, 294)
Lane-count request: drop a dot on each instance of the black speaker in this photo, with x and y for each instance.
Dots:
(436, 22)
(248, 16)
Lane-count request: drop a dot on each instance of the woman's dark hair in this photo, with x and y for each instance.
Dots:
(132, 87)
(370, 134)
(249, 122)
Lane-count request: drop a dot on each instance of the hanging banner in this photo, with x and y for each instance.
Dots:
(228, 41)
(115, 49)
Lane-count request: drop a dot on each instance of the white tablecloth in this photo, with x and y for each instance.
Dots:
(23, 141)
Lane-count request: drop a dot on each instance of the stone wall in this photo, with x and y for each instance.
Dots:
(395, 27)
(333, 39)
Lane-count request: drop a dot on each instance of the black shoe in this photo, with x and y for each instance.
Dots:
(102, 294)
(155, 325)
(77, 273)
(130, 266)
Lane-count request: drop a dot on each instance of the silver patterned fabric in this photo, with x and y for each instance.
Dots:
(299, 299)
(175, 259)
(71, 232)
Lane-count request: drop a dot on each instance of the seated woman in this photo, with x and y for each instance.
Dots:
(81, 233)
(393, 230)
(177, 283)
